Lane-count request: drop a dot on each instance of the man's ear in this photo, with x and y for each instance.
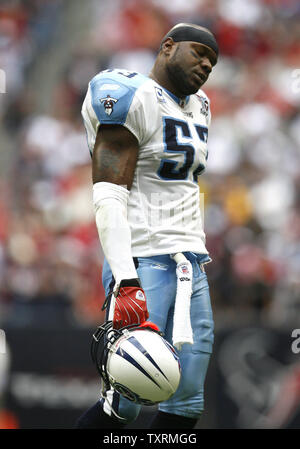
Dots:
(168, 46)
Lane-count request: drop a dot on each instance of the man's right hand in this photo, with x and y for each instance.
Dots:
(130, 304)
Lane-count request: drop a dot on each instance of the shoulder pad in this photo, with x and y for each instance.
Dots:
(112, 92)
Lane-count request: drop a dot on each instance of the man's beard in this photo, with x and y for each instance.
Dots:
(178, 76)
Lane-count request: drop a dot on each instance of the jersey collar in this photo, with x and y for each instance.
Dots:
(182, 102)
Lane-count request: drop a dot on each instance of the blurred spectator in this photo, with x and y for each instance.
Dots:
(26, 27)
(50, 256)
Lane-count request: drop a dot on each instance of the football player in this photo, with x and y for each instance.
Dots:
(148, 139)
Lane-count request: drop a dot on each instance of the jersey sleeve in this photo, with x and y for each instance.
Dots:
(113, 101)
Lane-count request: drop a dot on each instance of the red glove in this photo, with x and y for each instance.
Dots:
(130, 305)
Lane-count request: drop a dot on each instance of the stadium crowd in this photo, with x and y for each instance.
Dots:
(50, 256)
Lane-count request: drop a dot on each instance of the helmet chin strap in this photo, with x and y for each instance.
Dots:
(182, 328)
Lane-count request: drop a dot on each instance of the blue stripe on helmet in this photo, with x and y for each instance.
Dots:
(173, 352)
(144, 351)
(131, 360)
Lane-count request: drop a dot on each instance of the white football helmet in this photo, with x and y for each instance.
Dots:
(137, 362)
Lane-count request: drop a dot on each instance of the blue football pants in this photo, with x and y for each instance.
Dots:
(158, 279)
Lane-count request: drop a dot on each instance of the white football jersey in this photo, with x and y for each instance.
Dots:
(164, 202)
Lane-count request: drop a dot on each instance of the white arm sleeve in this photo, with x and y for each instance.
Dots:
(110, 205)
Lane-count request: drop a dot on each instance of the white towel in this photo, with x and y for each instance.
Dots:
(182, 328)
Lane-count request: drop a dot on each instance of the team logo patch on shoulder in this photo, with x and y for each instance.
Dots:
(204, 105)
(108, 103)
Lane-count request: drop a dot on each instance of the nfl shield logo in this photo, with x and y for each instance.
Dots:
(159, 95)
